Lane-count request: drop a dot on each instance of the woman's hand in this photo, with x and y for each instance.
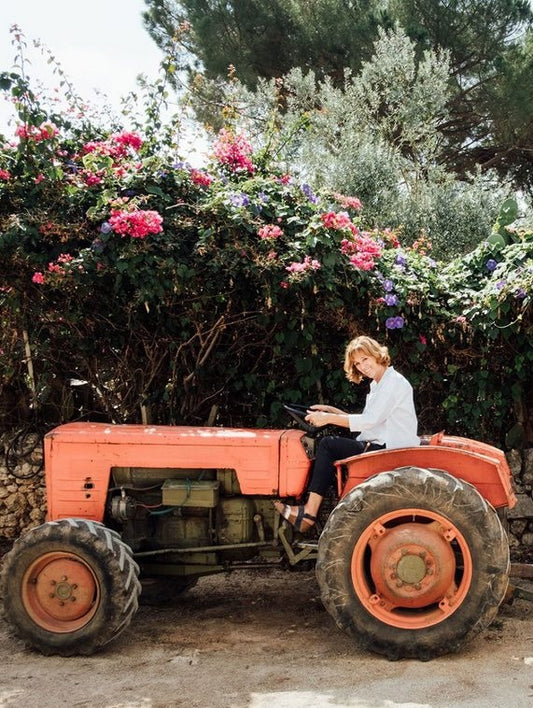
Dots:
(319, 416)
(326, 409)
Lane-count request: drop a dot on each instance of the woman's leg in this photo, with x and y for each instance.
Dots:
(330, 449)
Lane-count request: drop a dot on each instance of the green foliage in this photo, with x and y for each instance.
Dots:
(378, 136)
(488, 45)
(267, 39)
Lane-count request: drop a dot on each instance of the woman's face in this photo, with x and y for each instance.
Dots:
(368, 365)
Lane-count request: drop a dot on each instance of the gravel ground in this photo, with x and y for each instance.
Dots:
(261, 639)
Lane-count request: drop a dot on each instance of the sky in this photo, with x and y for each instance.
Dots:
(101, 45)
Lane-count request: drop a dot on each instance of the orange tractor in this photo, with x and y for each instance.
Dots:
(411, 552)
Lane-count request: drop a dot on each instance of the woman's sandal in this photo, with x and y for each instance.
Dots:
(296, 516)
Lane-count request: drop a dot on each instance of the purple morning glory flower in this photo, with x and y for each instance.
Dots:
(391, 299)
(306, 189)
(239, 200)
(263, 197)
(181, 165)
(106, 228)
(520, 293)
(400, 260)
(388, 285)
(491, 264)
(394, 322)
(500, 284)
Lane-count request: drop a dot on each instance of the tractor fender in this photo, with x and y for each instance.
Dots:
(482, 465)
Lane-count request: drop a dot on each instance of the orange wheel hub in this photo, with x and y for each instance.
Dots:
(60, 592)
(411, 568)
(412, 565)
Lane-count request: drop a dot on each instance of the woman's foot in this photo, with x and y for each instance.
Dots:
(296, 515)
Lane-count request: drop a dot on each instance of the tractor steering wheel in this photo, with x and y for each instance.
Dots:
(298, 412)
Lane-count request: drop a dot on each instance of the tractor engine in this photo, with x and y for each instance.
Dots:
(157, 509)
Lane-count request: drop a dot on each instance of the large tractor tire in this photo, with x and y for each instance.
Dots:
(69, 587)
(413, 563)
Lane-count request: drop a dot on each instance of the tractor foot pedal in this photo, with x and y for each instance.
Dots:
(307, 544)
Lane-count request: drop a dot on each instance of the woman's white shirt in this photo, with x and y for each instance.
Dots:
(389, 416)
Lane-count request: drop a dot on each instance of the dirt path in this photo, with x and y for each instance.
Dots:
(262, 640)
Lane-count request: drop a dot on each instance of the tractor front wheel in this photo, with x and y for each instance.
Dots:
(69, 586)
(413, 563)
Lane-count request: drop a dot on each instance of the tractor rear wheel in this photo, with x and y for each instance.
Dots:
(413, 563)
(69, 586)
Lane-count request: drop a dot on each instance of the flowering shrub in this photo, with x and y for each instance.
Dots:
(171, 289)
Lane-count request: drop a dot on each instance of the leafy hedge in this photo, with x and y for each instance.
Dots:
(181, 295)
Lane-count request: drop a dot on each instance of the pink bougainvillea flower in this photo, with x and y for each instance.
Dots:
(338, 220)
(307, 264)
(128, 139)
(201, 178)
(64, 258)
(234, 151)
(5, 175)
(270, 231)
(137, 224)
(91, 178)
(45, 131)
(38, 278)
(56, 268)
(117, 146)
(348, 202)
(422, 339)
(362, 251)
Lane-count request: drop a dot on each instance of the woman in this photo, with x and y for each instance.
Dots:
(388, 421)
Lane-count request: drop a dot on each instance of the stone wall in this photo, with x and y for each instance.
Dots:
(22, 492)
(521, 517)
(23, 498)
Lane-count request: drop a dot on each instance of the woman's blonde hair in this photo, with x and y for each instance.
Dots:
(368, 346)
